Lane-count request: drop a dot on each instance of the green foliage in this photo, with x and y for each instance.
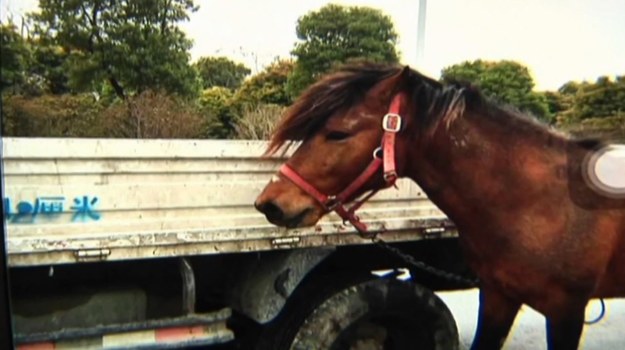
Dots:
(268, 86)
(52, 116)
(571, 88)
(230, 114)
(336, 34)
(603, 127)
(32, 66)
(583, 101)
(133, 45)
(218, 113)
(503, 81)
(220, 71)
(50, 65)
(147, 115)
(557, 102)
(14, 57)
(604, 98)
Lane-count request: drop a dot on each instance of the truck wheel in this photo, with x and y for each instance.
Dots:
(378, 314)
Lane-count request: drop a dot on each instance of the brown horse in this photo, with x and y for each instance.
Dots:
(530, 226)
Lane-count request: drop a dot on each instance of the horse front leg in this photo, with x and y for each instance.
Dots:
(565, 330)
(496, 315)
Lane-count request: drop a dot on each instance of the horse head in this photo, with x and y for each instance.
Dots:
(343, 124)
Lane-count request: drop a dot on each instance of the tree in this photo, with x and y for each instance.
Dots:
(604, 98)
(268, 86)
(49, 66)
(503, 81)
(32, 66)
(133, 45)
(337, 34)
(218, 112)
(220, 71)
(14, 57)
(557, 102)
(229, 114)
(571, 88)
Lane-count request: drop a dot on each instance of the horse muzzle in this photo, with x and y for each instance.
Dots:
(279, 217)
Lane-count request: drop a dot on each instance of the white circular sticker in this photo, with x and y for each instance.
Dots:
(606, 170)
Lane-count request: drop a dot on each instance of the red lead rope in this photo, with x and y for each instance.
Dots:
(391, 123)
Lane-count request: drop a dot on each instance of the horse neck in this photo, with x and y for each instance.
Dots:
(478, 164)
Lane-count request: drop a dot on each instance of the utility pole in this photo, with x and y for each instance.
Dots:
(421, 32)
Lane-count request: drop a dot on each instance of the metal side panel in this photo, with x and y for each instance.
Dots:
(172, 333)
(70, 200)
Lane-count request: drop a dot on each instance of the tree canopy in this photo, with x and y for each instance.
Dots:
(503, 81)
(336, 34)
(94, 68)
(221, 72)
(268, 86)
(134, 46)
(604, 98)
(593, 109)
(216, 107)
(15, 57)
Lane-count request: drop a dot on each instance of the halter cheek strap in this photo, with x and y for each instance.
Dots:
(336, 202)
(391, 123)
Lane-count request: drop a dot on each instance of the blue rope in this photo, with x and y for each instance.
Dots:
(601, 314)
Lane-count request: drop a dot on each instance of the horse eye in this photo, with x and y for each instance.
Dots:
(336, 135)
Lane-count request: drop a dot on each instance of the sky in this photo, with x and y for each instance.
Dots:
(558, 40)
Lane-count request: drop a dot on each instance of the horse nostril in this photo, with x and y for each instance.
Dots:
(272, 211)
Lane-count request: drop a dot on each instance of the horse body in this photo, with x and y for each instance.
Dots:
(515, 196)
(507, 189)
(530, 227)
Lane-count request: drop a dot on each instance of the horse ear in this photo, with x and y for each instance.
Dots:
(387, 88)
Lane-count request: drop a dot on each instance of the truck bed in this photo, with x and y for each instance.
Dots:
(74, 200)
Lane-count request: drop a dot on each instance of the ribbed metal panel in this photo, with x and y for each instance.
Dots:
(167, 198)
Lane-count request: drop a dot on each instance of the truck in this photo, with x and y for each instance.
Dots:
(153, 244)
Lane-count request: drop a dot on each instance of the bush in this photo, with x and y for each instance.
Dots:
(612, 128)
(218, 112)
(258, 121)
(153, 115)
(147, 115)
(52, 116)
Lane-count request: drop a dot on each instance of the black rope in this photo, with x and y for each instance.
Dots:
(601, 314)
(424, 266)
(451, 276)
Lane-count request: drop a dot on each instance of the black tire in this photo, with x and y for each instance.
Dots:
(378, 314)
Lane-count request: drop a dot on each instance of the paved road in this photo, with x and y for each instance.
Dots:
(528, 331)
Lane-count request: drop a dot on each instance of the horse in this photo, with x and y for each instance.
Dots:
(530, 225)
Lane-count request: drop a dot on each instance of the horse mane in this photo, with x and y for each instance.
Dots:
(513, 121)
(435, 103)
(334, 92)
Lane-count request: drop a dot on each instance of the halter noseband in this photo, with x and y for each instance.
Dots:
(391, 123)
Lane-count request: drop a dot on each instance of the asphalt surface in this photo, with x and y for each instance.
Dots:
(528, 331)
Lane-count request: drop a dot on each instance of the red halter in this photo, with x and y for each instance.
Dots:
(391, 123)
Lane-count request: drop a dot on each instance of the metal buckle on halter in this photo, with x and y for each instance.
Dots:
(377, 153)
(331, 203)
(390, 177)
(391, 122)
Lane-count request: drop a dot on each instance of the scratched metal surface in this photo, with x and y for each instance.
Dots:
(128, 199)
